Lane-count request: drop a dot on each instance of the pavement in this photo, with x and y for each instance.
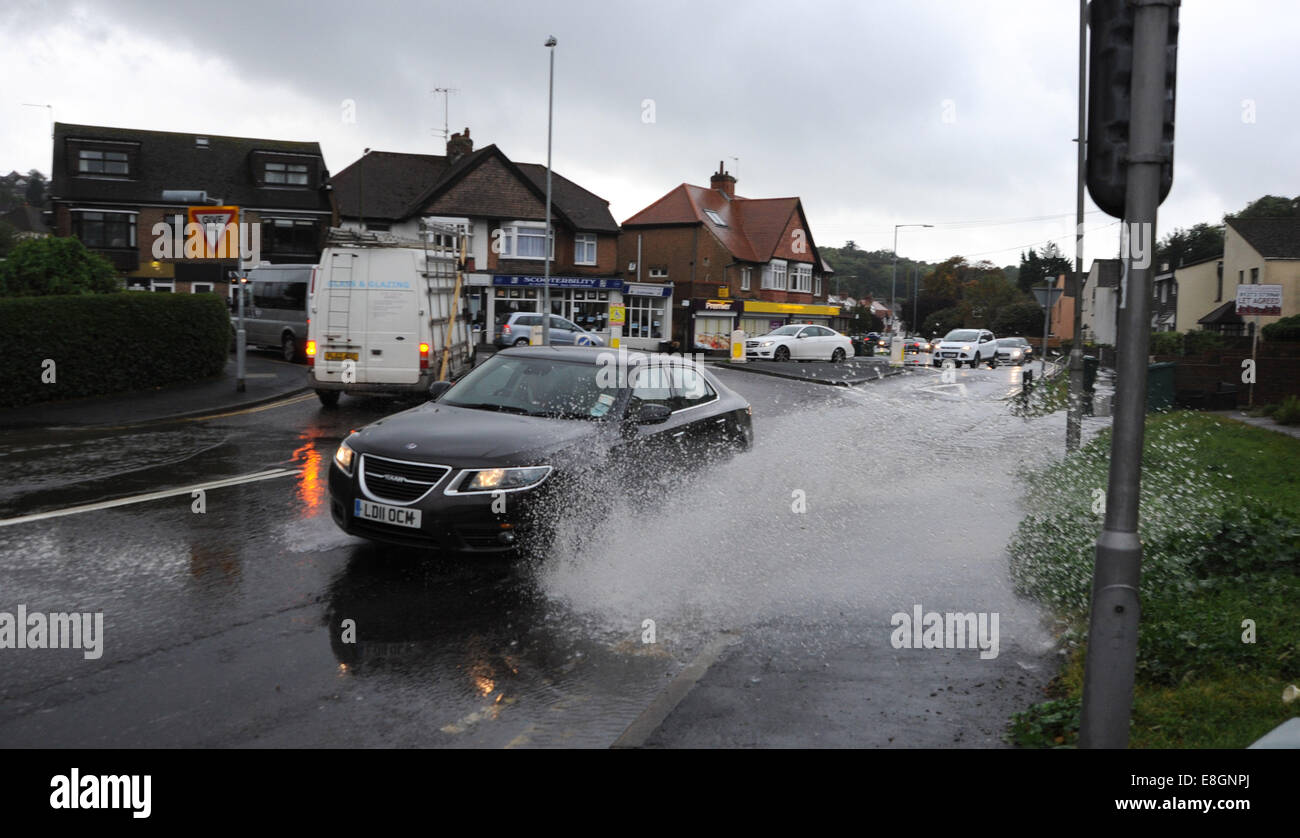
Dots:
(1259, 422)
(266, 379)
(857, 370)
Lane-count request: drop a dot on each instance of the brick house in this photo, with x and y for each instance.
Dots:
(107, 186)
(501, 205)
(734, 262)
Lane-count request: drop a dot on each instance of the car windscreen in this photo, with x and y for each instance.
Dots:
(1009, 341)
(534, 387)
(962, 334)
(786, 330)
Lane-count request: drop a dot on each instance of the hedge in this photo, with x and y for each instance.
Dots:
(108, 343)
(1288, 328)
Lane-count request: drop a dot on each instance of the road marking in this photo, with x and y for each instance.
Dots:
(304, 397)
(166, 493)
(653, 716)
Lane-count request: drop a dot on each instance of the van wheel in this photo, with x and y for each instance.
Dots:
(289, 348)
(521, 342)
(328, 398)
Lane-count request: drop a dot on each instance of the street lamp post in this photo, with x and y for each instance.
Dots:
(893, 281)
(546, 246)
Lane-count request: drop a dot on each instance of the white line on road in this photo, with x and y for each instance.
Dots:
(166, 493)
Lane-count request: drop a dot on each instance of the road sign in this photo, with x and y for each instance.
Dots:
(1260, 300)
(1056, 295)
(617, 315)
(220, 227)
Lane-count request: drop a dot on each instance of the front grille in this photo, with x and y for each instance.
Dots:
(397, 480)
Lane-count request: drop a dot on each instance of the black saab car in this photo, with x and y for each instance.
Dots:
(488, 463)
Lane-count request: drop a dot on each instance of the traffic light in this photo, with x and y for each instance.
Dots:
(1110, 71)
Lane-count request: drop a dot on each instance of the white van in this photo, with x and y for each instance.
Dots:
(379, 310)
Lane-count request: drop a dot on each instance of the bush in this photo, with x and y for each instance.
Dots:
(109, 343)
(1288, 328)
(1288, 412)
(1196, 342)
(1166, 343)
(55, 265)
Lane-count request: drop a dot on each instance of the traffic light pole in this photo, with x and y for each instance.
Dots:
(1074, 414)
(1113, 623)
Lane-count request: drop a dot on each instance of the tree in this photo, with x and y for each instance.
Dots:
(55, 265)
(37, 186)
(1269, 206)
(943, 321)
(1181, 246)
(1035, 267)
(7, 238)
(1022, 318)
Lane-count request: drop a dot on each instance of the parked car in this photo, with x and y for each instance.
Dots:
(275, 308)
(514, 331)
(800, 342)
(915, 345)
(489, 462)
(969, 346)
(1014, 350)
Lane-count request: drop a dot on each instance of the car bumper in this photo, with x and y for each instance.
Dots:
(421, 385)
(462, 523)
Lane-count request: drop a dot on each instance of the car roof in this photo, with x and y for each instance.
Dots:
(589, 354)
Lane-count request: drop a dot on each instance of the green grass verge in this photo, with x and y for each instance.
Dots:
(1221, 545)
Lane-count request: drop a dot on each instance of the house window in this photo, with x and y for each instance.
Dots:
(445, 233)
(163, 286)
(201, 142)
(715, 218)
(1254, 276)
(104, 229)
(201, 288)
(801, 280)
(774, 275)
(584, 249)
(645, 317)
(658, 273)
(96, 162)
(526, 241)
(286, 174)
(817, 286)
(290, 235)
(745, 278)
(1218, 294)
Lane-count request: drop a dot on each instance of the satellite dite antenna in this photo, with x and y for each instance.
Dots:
(446, 101)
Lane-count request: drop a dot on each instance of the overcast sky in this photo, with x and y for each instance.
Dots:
(951, 112)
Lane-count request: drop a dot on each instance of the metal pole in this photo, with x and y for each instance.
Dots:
(1047, 318)
(546, 246)
(893, 280)
(1074, 413)
(241, 337)
(1113, 623)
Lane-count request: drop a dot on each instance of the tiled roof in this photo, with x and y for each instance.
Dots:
(1273, 238)
(751, 229)
(170, 160)
(403, 184)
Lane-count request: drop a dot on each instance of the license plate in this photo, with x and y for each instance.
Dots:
(398, 516)
(340, 356)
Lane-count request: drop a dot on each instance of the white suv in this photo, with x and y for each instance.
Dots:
(971, 346)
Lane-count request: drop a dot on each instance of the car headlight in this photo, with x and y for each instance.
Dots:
(502, 479)
(965, 349)
(767, 343)
(343, 457)
(1015, 353)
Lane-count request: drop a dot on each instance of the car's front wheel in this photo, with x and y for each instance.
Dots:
(993, 362)
(975, 362)
(782, 353)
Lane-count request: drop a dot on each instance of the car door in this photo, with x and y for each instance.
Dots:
(801, 344)
(667, 442)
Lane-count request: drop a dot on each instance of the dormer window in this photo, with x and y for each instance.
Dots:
(200, 142)
(92, 161)
(715, 218)
(285, 174)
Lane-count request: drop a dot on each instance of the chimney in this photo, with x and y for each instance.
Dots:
(458, 146)
(723, 182)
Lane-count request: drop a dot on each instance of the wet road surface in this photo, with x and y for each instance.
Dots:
(223, 627)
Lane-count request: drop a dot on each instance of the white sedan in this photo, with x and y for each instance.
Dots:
(800, 342)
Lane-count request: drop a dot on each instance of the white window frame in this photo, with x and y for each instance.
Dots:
(774, 275)
(445, 240)
(584, 240)
(658, 273)
(169, 284)
(817, 285)
(510, 232)
(644, 311)
(801, 277)
(206, 289)
(715, 218)
(745, 278)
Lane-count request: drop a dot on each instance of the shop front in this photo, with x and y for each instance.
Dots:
(759, 317)
(648, 318)
(584, 300)
(712, 322)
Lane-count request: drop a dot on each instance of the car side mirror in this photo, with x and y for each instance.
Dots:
(652, 414)
(801, 336)
(437, 388)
